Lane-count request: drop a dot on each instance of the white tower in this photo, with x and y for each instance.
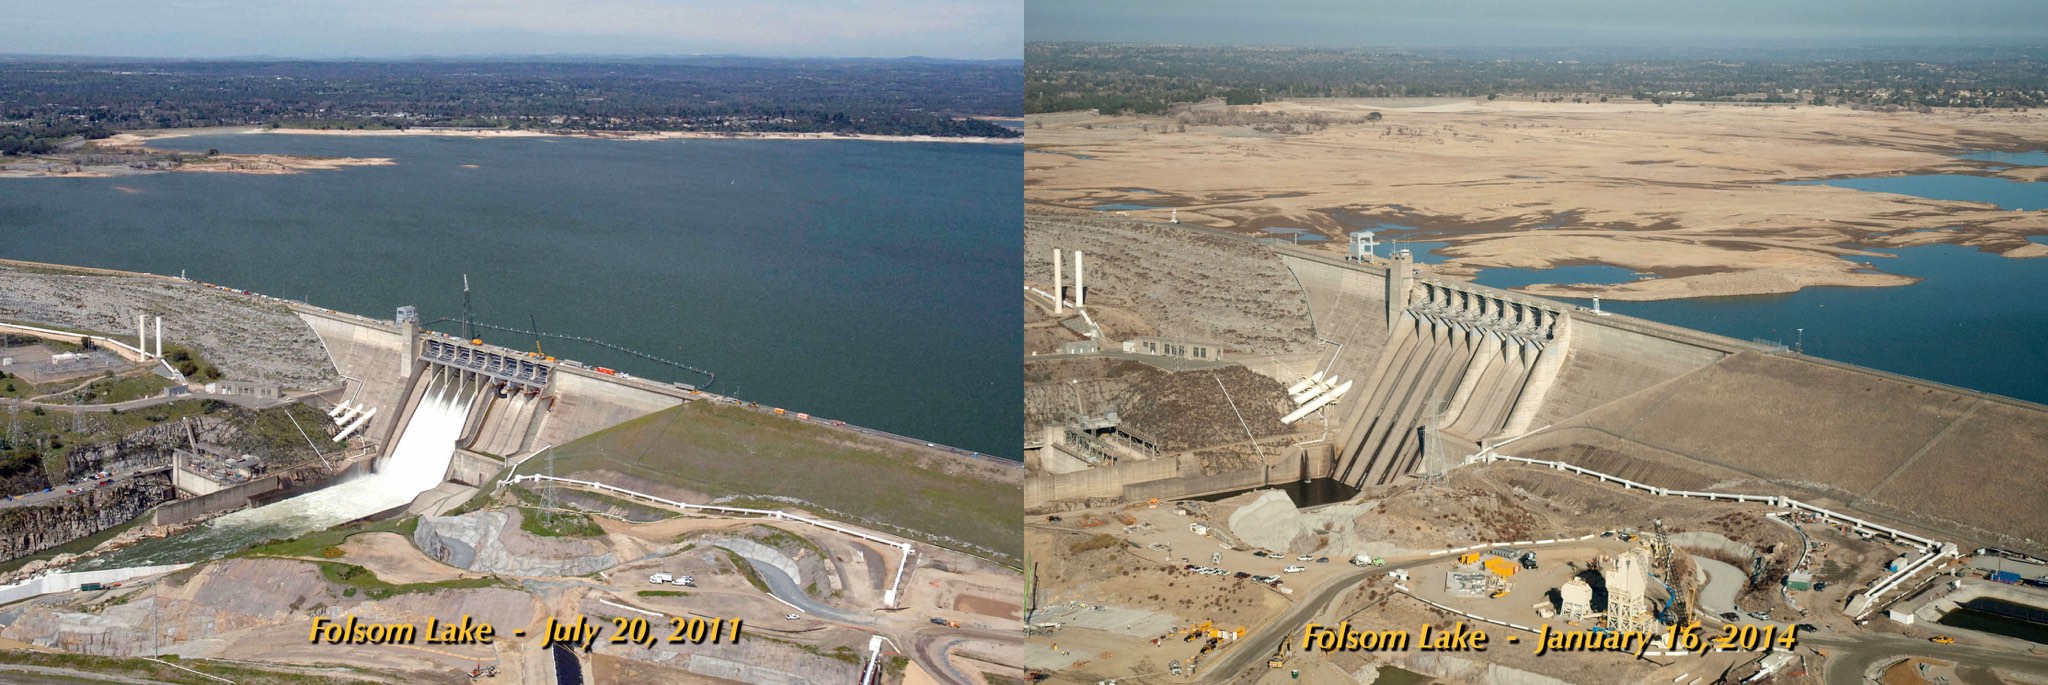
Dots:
(1080, 281)
(1626, 579)
(159, 337)
(1059, 299)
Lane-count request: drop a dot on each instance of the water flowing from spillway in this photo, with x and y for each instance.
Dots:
(415, 465)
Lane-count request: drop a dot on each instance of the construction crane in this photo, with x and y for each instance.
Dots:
(537, 351)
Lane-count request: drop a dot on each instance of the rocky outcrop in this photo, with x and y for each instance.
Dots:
(491, 542)
(26, 530)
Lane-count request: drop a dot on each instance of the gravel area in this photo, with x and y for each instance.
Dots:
(249, 339)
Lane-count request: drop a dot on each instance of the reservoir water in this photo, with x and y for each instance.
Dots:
(873, 282)
(1974, 320)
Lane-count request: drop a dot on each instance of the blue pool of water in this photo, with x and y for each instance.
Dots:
(2006, 193)
(1121, 207)
(1583, 273)
(2034, 158)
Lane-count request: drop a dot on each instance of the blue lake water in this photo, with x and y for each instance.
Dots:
(1977, 321)
(866, 281)
(2005, 193)
(1564, 275)
(2034, 158)
(1121, 207)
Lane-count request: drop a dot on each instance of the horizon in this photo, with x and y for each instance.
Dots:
(1511, 24)
(432, 29)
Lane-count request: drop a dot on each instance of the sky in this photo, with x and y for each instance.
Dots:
(385, 29)
(1541, 23)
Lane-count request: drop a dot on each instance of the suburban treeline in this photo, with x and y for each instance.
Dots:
(45, 101)
(1149, 79)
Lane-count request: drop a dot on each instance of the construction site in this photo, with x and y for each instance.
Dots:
(1362, 440)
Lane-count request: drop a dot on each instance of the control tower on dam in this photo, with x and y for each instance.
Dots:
(1471, 368)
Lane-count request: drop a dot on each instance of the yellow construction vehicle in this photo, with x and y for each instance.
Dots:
(1942, 640)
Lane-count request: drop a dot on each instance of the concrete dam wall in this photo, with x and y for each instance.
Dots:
(1664, 405)
(1475, 363)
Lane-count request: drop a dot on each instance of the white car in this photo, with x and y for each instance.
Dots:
(1294, 569)
(1305, 557)
(791, 617)
(686, 581)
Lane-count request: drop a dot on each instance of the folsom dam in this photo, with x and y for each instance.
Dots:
(434, 419)
(1441, 369)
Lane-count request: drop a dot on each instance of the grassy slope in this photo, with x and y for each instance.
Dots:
(728, 451)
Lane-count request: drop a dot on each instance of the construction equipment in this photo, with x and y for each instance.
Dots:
(1942, 640)
(1280, 654)
(947, 622)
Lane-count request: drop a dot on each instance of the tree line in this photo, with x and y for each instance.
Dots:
(44, 101)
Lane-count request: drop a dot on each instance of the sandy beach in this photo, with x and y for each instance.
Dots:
(137, 142)
(1690, 193)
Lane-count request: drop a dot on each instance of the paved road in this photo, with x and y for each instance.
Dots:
(57, 492)
(1848, 656)
(239, 400)
(786, 589)
(929, 648)
(1261, 643)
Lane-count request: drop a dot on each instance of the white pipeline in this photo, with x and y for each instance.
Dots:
(1318, 403)
(1313, 379)
(1313, 390)
(343, 435)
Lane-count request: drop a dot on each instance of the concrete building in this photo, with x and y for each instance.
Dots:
(1177, 348)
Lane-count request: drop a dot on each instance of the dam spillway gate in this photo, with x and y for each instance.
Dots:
(1460, 363)
(512, 393)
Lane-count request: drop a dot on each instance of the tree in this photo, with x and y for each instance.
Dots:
(1375, 116)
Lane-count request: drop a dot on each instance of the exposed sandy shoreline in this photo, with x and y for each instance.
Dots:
(138, 142)
(1690, 193)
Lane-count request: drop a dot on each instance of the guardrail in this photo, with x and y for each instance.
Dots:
(888, 598)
